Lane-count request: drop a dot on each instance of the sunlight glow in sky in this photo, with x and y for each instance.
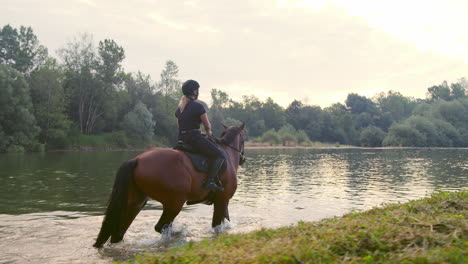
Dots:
(431, 25)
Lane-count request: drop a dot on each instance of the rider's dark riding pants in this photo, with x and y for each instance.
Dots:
(202, 145)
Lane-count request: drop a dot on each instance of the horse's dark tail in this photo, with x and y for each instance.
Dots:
(117, 205)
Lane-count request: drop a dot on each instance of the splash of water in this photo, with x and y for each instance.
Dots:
(225, 226)
(174, 234)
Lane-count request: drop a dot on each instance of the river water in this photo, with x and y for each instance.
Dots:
(51, 204)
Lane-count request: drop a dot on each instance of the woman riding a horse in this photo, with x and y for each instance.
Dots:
(190, 114)
(168, 175)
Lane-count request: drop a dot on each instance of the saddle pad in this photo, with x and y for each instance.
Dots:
(200, 162)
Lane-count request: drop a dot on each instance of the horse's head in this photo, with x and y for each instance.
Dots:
(233, 137)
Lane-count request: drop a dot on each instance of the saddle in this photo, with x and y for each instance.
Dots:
(201, 163)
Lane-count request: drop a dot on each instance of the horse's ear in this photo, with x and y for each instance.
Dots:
(225, 127)
(242, 126)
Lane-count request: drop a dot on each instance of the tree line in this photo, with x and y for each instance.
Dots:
(51, 103)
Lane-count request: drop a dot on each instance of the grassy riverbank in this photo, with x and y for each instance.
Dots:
(109, 142)
(120, 141)
(430, 230)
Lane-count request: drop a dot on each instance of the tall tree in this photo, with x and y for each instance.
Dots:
(396, 104)
(91, 79)
(219, 101)
(79, 58)
(458, 90)
(49, 104)
(18, 128)
(312, 122)
(109, 73)
(21, 49)
(437, 92)
(273, 114)
(251, 106)
(343, 125)
(141, 88)
(169, 85)
(358, 104)
(293, 114)
(110, 60)
(166, 100)
(219, 98)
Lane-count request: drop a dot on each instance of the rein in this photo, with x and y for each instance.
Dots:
(242, 156)
(229, 146)
(241, 152)
(220, 142)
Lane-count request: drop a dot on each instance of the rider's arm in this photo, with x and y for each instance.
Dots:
(206, 124)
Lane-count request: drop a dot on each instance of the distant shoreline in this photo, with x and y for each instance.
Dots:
(92, 149)
(346, 147)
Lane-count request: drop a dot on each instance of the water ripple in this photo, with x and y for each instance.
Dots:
(52, 204)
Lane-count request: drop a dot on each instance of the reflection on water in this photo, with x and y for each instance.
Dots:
(353, 178)
(52, 203)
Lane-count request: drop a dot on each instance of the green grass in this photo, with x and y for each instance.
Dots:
(430, 230)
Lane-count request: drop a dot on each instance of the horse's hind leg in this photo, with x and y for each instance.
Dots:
(136, 201)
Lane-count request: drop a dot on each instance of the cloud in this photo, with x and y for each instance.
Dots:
(191, 3)
(430, 25)
(87, 2)
(284, 49)
(172, 24)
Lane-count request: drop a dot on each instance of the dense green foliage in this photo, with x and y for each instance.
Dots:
(20, 49)
(48, 97)
(372, 136)
(430, 230)
(139, 122)
(18, 128)
(54, 104)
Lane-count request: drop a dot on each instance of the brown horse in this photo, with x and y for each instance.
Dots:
(168, 176)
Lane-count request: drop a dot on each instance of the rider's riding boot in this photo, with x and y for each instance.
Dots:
(212, 174)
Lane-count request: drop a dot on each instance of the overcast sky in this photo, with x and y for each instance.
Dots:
(315, 51)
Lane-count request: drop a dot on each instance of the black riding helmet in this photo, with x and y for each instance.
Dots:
(189, 87)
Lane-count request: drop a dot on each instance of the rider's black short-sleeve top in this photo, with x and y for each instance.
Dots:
(190, 117)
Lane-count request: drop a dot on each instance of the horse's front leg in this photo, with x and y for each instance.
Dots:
(170, 211)
(226, 213)
(220, 210)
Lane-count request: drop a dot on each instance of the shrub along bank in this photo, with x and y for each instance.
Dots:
(430, 230)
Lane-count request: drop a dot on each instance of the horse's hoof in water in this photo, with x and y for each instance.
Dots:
(116, 240)
(162, 229)
(157, 229)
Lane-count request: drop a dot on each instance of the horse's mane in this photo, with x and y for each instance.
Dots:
(228, 136)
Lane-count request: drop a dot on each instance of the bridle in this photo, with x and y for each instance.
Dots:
(242, 158)
(240, 151)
